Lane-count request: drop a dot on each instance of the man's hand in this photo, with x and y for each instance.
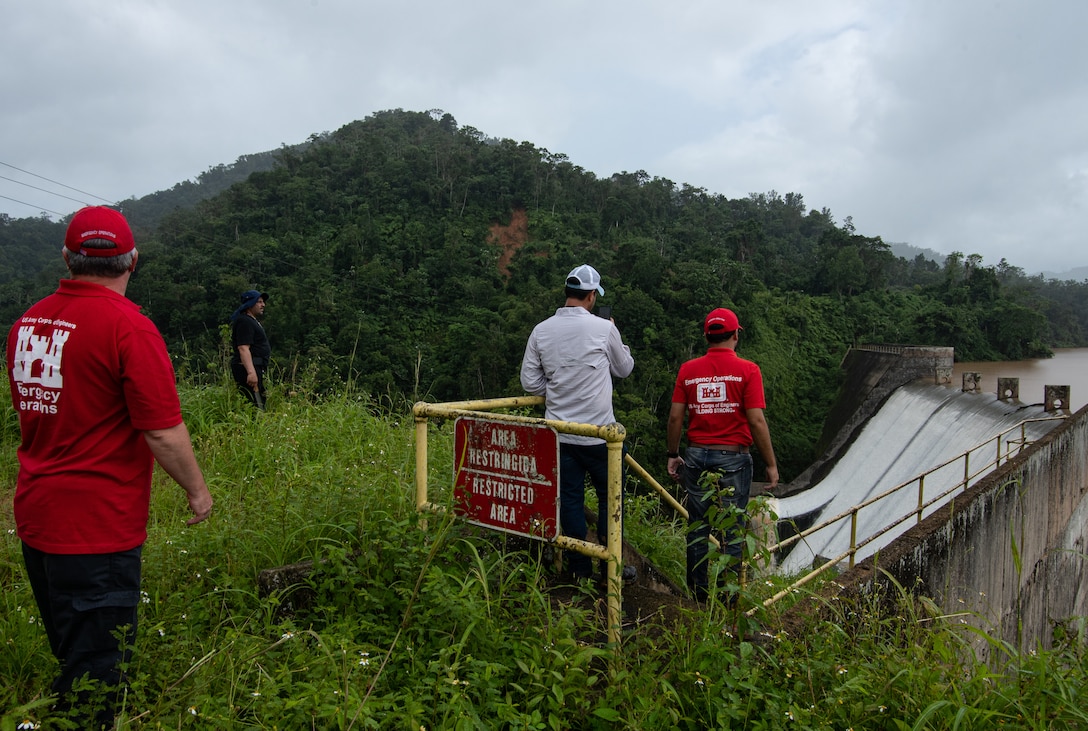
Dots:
(772, 478)
(201, 505)
(675, 463)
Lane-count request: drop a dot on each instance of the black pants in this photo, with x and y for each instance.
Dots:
(257, 398)
(84, 600)
(576, 462)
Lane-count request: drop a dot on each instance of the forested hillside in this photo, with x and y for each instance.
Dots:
(411, 257)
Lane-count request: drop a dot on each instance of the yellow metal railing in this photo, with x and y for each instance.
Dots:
(613, 434)
(970, 472)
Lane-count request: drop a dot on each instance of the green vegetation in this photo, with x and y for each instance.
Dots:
(402, 627)
(411, 257)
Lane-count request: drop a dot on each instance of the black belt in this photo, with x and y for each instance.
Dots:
(738, 448)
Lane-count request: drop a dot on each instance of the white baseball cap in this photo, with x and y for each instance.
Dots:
(586, 279)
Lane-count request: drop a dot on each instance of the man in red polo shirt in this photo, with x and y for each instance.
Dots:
(94, 390)
(722, 396)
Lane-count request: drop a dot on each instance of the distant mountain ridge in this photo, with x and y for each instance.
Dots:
(909, 253)
(1075, 275)
(146, 211)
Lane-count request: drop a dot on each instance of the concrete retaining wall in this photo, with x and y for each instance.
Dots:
(1011, 555)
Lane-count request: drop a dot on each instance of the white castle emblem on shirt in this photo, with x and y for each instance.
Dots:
(31, 349)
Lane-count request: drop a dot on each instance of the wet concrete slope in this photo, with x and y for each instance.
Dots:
(918, 427)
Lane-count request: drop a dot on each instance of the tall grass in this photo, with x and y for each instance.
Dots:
(400, 627)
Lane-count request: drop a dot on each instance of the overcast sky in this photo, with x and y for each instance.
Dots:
(954, 125)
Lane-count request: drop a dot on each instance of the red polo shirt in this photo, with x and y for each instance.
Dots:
(88, 375)
(717, 389)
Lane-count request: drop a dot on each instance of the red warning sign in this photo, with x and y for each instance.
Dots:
(506, 476)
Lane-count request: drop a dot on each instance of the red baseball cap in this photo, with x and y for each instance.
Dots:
(99, 222)
(721, 320)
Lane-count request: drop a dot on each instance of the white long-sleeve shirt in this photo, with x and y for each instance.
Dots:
(570, 360)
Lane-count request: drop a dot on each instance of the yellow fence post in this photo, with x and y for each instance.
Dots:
(421, 462)
(853, 535)
(615, 436)
(921, 496)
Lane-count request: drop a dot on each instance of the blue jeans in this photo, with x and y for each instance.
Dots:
(576, 461)
(733, 486)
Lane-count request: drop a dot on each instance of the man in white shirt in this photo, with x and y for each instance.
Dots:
(570, 360)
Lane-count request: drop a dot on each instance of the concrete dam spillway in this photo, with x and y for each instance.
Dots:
(897, 415)
(920, 426)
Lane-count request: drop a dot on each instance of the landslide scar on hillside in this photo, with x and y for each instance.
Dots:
(510, 238)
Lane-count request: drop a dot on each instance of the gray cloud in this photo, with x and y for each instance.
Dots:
(953, 126)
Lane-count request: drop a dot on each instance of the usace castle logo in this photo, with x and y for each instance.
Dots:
(36, 364)
(711, 393)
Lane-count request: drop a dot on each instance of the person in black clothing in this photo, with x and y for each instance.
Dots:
(251, 348)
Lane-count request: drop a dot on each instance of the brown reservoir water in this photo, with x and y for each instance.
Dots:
(1068, 367)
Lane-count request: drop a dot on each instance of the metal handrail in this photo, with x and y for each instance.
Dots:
(917, 512)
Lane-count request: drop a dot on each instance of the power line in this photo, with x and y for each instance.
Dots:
(54, 182)
(31, 205)
(44, 190)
